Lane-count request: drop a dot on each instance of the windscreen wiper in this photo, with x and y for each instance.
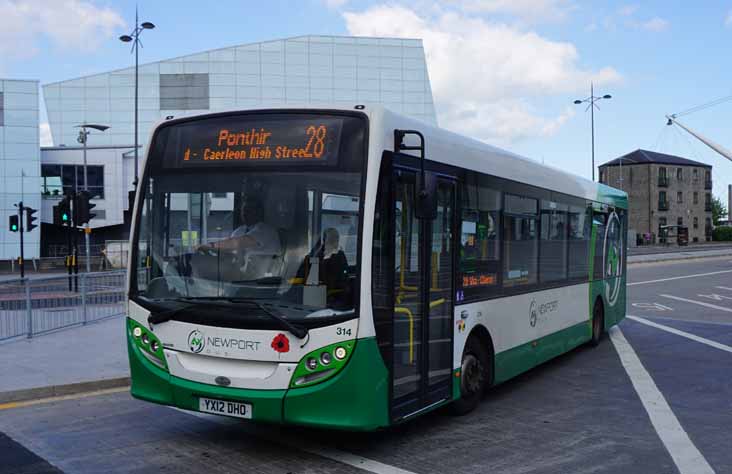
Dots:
(298, 331)
(158, 317)
(164, 316)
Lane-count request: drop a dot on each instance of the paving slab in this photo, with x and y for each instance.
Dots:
(75, 355)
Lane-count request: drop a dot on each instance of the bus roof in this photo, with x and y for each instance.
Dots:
(458, 150)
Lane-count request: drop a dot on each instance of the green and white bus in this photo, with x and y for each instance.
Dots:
(353, 268)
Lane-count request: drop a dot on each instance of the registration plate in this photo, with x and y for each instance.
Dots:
(225, 407)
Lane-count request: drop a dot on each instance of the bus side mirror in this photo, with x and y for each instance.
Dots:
(426, 205)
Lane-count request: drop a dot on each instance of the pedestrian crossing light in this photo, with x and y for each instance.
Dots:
(13, 224)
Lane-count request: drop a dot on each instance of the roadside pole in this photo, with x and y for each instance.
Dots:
(20, 228)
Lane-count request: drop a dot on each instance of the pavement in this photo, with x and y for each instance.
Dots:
(79, 358)
(584, 412)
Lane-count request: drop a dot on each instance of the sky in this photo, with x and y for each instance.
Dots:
(503, 71)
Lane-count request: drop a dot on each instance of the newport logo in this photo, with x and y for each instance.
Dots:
(196, 341)
(613, 263)
(533, 314)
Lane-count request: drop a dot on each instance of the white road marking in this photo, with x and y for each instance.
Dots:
(685, 334)
(700, 303)
(678, 278)
(652, 306)
(723, 288)
(684, 453)
(343, 457)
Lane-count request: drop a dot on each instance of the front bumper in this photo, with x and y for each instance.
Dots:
(354, 399)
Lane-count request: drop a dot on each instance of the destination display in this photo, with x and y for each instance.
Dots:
(244, 141)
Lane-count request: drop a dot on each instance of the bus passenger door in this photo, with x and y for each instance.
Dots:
(423, 292)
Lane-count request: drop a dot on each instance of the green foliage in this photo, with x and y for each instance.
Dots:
(722, 234)
(718, 210)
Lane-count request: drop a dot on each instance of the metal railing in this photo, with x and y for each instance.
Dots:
(30, 307)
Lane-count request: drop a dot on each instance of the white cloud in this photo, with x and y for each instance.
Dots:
(485, 75)
(728, 19)
(532, 10)
(76, 24)
(45, 131)
(655, 24)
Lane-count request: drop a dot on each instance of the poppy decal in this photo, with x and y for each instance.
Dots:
(280, 343)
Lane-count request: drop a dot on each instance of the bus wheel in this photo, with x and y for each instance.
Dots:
(474, 377)
(598, 324)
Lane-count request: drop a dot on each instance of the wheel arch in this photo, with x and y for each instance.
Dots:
(484, 337)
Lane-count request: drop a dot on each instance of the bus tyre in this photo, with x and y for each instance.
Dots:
(598, 324)
(475, 375)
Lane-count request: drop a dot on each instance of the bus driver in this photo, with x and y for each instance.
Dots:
(256, 242)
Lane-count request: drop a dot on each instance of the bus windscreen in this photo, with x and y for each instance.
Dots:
(254, 140)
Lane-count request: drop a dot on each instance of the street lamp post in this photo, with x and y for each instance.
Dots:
(83, 135)
(591, 101)
(134, 37)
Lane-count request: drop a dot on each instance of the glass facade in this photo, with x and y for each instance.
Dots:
(307, 70)
(20, 161)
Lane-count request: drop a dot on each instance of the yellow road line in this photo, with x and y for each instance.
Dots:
(75, 396)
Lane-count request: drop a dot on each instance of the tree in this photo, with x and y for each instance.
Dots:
(718, 210)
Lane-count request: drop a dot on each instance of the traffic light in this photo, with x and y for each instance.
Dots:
(29, 219)
(14, 223)
(82, 208)
(62, 211)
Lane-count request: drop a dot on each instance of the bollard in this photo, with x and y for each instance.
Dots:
(29, 307)
(83, 298)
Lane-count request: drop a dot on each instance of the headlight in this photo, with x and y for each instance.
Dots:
(340, 353)
(154, 346)
(137, 332)
(322, 363)
(145, 339)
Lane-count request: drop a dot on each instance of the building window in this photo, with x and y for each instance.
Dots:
(696, 222)
(679, 221)
(680, 174)
(696, 175)
(662, 178)
(57, 180)
(602, 177)
(696, 196)
(219, 195)
(708, 202)
(662, 201)
(2, 109)
(184, 92)
(630, 172)
(679, 197)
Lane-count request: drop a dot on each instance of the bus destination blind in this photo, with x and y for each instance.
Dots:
(237, 142)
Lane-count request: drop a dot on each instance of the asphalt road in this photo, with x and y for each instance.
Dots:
(581, 413)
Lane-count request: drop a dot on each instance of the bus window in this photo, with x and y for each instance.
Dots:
(599, 220)
(480, 238)
(553, 251)
(579, 242)
(520, 241)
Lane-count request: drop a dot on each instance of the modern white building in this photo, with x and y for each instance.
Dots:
(20, 162)
(316, 70)
(298, 71)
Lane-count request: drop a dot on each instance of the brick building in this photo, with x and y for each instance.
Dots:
(663, 190)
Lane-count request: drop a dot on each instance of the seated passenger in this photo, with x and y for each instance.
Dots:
(334, 264)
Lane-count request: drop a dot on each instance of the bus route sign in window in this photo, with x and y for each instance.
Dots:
(251, 141)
